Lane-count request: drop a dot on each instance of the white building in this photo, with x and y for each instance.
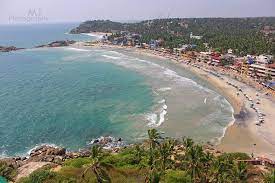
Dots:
(230, 51)
(263, 59)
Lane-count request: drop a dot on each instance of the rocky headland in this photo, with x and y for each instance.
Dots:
(9, 48)
(57, 44)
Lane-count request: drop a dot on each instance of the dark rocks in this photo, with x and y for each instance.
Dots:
(9, 48)
(13, 162)
(57, 44)
(48, 154)
(48, 150)
(109, 143)
(96, 141)
(57, 155)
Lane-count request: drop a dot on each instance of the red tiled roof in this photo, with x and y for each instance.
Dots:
(271, 66)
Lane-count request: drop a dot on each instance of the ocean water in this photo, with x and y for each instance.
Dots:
(54, 96)
(69, 96)
(28, 36)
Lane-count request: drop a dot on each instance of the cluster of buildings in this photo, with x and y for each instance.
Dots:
(123, 38)
(259, 67)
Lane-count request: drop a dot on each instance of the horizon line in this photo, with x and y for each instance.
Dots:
(131, 21)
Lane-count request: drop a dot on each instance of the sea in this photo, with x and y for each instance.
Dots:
(70, 96)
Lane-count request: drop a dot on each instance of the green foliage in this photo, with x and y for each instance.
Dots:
(152, 162)
(175, 176)
(243, 35)
(236, 156)
(77, 162)
(154, 176)
(46, 176)
(127, 158)
(7, 171)
(270, 177)
(96, 151)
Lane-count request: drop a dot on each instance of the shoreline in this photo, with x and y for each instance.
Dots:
(242, 134)
(239, 135)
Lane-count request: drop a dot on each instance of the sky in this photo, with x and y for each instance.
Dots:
(47, 11)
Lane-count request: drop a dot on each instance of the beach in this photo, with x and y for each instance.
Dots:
(242, 134)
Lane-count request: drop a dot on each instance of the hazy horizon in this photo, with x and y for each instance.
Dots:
(55, 11)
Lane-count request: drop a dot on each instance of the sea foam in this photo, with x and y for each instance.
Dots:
(111, 57)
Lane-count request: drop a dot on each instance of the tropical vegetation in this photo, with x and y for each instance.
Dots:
(243, 35)
(156, 160)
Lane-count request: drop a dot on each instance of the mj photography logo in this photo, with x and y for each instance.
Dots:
(32, 16)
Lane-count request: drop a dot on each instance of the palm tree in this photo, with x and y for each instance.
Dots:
(193, 157)
(98, 168)
(207, 161)
(138, 153)
(154, 136)
(240, 171)
(221, 170)
(153, 141)
(96, 151)
(188, 143)
(165, 150)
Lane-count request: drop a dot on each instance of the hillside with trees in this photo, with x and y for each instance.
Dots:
(155, 160)
(243, 35)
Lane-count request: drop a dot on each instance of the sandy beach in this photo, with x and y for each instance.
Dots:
(242, 135)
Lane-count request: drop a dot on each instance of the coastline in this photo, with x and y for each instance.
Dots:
(241, 134)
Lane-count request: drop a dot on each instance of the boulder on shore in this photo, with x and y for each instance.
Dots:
(48, 150)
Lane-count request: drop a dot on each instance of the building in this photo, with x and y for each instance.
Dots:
(230, 51)
(204, 57)
(260, 67)
(262, 71)
(263, 59)
(216, 59)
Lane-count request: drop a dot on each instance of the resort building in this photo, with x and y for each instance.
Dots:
(259, 67)
(262, 71)
(263, 59)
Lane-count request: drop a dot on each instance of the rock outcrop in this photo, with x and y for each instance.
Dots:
(9, 48)
(57, 44)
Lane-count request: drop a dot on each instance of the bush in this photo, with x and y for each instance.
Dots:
(38, 176)
(236, 156)
(78, 162)
(7, 171)
(175, 176)
(121, 160)
(46, 176)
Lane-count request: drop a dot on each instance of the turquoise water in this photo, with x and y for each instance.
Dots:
(2, 180)
(28, 36)
(69, 96)
(47, 99)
